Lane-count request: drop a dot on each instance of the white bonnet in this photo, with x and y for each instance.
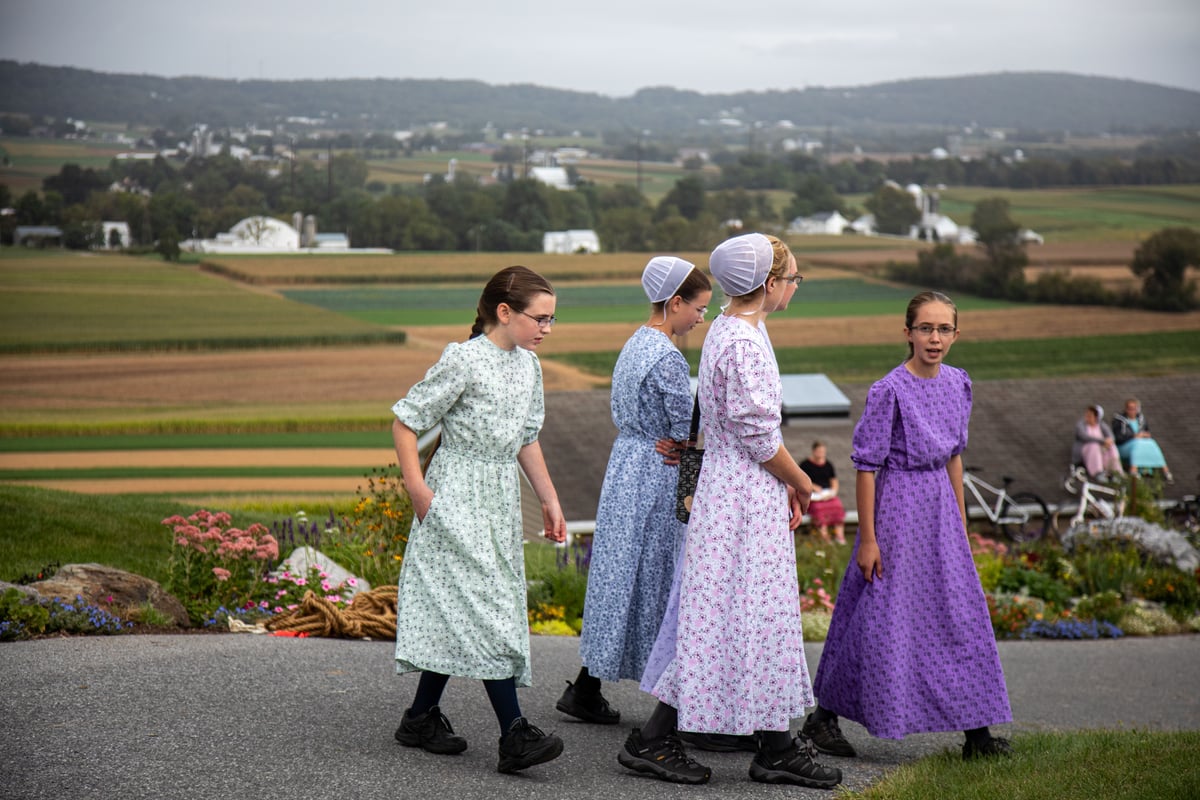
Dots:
(741, 264)
(663, 276)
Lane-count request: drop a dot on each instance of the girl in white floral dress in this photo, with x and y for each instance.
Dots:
(462, 604)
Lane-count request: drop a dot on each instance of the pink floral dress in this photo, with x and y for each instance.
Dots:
(737, 664)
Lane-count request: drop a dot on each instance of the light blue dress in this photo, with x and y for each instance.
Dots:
(462, 606)
(637, 535)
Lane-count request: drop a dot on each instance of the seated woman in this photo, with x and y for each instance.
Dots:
(1094, 446)
(826, 510)
(1139, 452)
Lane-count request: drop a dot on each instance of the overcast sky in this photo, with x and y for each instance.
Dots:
(613, 47)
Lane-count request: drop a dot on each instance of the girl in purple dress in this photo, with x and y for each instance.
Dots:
(911, 648)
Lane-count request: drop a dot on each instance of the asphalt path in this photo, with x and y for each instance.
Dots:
(249, 716)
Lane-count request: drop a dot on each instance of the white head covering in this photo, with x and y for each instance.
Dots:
(741, 264)
(663, 276)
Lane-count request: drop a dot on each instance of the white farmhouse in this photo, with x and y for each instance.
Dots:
(826, 222)
(574, 241)
(551, 176)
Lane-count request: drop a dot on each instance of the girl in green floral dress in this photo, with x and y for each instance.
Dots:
(462, 605)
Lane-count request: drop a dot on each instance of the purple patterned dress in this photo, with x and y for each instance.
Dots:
(735, 663)
(914, 652)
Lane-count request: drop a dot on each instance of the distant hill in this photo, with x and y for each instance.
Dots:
(1043, 101)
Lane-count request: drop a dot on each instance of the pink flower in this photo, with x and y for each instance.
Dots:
(352, 581)
(222, 574)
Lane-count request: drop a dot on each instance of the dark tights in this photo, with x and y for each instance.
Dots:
(502, 694)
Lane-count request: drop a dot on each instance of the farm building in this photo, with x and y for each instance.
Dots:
(551, 176)
(824, 222)
(565, 242)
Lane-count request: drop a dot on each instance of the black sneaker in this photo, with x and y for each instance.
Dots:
(720, 742)
(525, 745)
(794, 765)
(994, 746)
(827, 737)
(663, 758)
(587, 706)
(430, 731)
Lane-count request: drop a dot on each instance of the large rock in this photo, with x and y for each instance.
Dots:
(304, 558)
(110, 588)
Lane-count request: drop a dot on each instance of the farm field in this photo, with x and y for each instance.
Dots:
(31, 160)
(86, 416)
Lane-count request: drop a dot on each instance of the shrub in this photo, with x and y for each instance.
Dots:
(23, 617)
(1102, 607)
(1011, 615)
(1016, 579)
(216, 566)
(1177, 591)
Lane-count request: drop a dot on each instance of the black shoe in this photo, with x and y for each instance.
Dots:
(663, 758)
(587, 706)
(994, 746)
(827, 737)
(430, 731)
(794, 765)
(720, 742)
(525, 745)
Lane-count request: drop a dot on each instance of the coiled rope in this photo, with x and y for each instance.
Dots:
(370, 615)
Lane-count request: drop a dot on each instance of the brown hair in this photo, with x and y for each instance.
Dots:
(515, 287)
(921, 299)
(695, 283)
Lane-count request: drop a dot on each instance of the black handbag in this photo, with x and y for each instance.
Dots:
(691, 458)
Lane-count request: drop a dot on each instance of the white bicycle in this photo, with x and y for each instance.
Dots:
(1021, 516)
(1097, 501)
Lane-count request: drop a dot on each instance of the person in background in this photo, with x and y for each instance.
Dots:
(637, 535)
(729, 658)
(462, 605)
(1139, 452)
(910, 647)
(826, 509)
(1094, 446)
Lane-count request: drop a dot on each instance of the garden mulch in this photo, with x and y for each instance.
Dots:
(240, 715)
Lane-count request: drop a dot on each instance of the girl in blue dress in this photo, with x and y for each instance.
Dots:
(637, 535)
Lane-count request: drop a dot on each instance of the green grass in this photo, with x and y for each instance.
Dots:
(1077, 765)
(43, 526)
(1132, 354)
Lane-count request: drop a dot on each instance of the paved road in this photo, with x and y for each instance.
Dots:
(245, 716)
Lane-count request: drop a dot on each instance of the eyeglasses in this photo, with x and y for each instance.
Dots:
(542, 322)
(702, 309)
(793, 279)
(927, 330)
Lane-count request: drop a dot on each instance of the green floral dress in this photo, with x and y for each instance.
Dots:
(461, 607)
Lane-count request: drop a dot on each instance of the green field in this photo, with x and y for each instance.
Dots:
(80, 301)
(589, 303)
(1128, 213)
(31, 160)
